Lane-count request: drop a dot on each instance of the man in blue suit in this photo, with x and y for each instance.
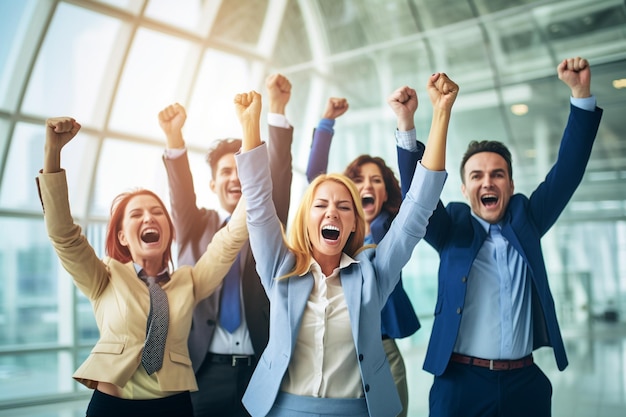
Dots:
(494, 305)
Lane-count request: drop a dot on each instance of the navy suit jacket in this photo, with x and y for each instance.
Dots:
(457, 237)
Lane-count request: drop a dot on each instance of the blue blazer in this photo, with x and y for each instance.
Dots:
(366, 285)
(398, 318)
(457, 237)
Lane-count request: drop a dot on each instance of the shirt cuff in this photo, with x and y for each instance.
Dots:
(407, 140)
(278, 120)
(587, 103)
(327, 125)
(174, 153)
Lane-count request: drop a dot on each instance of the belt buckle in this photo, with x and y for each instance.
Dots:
(236, 357)
(491, 364)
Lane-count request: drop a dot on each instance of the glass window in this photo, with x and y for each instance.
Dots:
(21, 24)
(25, 160)
(211, 113)
(33, 374)
(132, 6)
(73, 73)
(149, 82)
(125, 166)
(30, 296)
(187, 14)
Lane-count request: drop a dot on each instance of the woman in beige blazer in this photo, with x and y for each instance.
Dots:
(138, 243)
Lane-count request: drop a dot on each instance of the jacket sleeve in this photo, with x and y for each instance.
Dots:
(77, 256)
(320, 149)
(279, 151)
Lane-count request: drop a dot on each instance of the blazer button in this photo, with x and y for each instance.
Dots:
(367, 387)
(458, 310)
(464, 279)
(360, 357)
(210, 322)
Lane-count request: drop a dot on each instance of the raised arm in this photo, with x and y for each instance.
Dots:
(71, 246)
(172, 119)
(575, 72)
(404, 104)
(279, 92)
(248, 109)
(322, 137)
(279, 144)
(442, 92)
(59, 131)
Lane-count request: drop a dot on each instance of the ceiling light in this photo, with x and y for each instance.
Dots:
(519, 109)
(620, 83)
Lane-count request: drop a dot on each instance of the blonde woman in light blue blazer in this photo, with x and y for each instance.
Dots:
(325, 355)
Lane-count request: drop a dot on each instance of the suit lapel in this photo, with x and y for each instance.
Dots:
(298, 292)
(352, 285)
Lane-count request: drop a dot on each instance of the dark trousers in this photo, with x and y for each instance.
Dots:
(220, 389)
(471, 391)
(105, 405)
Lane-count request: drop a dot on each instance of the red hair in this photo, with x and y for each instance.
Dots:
(113, 248)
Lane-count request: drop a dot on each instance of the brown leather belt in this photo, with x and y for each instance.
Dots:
(493, 364)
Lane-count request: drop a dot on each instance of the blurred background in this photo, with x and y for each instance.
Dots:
(114, 64)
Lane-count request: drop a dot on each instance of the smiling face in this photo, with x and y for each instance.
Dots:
(331, 220)
(487, 185)
(226, 182)
(145, 230)
(371, 186)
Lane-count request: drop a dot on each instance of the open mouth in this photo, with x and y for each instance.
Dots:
(330, 232)
(234, 190)
(367, 201)
(489, 200)
(150, 235)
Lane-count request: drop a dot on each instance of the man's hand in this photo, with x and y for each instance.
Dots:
(172, 119)
(404, 104)
(279, 92)
(575, 72)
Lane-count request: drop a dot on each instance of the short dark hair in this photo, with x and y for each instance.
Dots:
(394, 193)
(494, 146)
(220, 148)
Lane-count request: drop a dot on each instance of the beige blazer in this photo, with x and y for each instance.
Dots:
(121, 301)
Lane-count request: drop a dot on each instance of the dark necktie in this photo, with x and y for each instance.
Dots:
(156, 328)
(230, 304)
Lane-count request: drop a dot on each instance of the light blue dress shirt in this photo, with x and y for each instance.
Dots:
(497, 320)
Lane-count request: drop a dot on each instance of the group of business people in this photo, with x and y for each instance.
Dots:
(304, 324)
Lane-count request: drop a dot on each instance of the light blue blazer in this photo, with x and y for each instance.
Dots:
(364, 288)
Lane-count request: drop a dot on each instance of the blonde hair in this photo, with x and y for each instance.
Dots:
(299, 242)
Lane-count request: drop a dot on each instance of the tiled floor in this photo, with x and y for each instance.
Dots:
(594, 384)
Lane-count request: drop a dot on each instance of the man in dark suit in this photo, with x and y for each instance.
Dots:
(224, 354)
(494, 305)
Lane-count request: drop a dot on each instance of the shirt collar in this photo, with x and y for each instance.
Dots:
(344, 262)
(483, 223)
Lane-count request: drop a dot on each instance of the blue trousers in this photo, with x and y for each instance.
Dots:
(289, 405)
(471, 391)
